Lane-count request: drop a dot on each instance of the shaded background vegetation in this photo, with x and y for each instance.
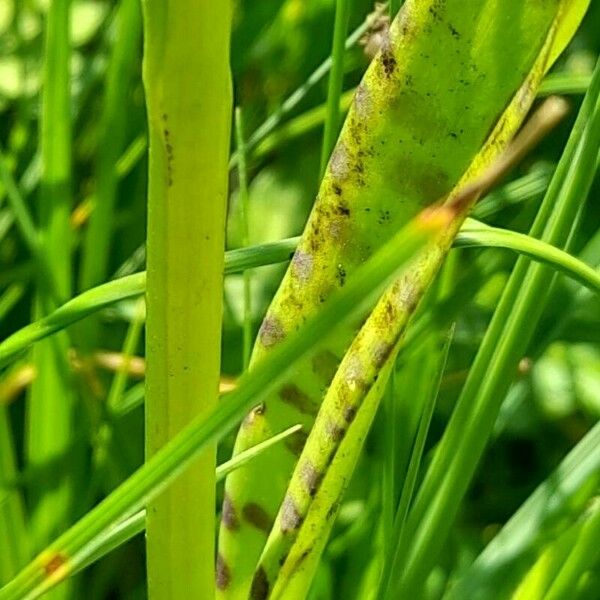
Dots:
(276, 45)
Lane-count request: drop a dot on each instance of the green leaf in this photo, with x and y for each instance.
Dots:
(64, 556)
(505, 342)
(475, 233)
(242, 259)
(420, 123)
(121, 533)
(547, 512)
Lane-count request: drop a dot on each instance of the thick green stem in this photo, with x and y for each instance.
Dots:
(187, 81)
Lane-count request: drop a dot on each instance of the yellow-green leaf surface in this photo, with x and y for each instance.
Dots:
(437, 105)
(188, 95)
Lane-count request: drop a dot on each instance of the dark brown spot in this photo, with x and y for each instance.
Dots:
(295, 442)
(310, 476)
(337, 190)
(525, 95)
(334, 432)
(332, 510)
(228, 516)
(437, 10)
(405, 21)
(325, 365)
(387, 58)
(271, 331)
(169, 151)
(384, 217)
(341, 275)
(381, 353)
(53, 563)
(291, 518)
(342, 209)
(454, 31)
(349, 413)
(291, 394)
(388, 61)
(390, 311)
(260, 585)
(298, 563)
(302, 557)
(257, 516)
(223, 575)
(355, 131)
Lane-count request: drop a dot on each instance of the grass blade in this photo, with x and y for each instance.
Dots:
(239, 260)
(111, 143)
(13, 531)
(64, 555)
(556, 501)
(435, 370)
(134, 525)
(358, 207)
(582, 557)
(336, 80)
(506, 339)
(52, 405)
(475, 233)
(243, 198)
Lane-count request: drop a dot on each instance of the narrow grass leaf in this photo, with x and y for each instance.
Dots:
(506, 338)
(62, 557)
(498, 569)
